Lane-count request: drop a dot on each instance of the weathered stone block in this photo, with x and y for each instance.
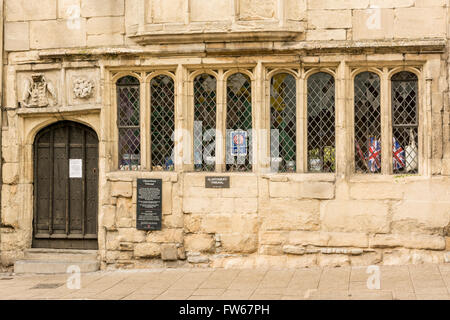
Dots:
(212, 10)
(199, 243)
(239, 243)
(373, 24)
(316, 190)
(166, 236)
(355, 216)
(121, 189)
(113, 39)
(10, 173)
(326, 34)
(125, 209)
(62, 35)
(105, 25)
(283, 189)
(147, 250)
(420, 216)
(297, 250)
(257, 9)
(25, 10)
(245, 205)
(100, 8)
(169, 252)
(192, 223)
(270, 250)
(407, 20)
(282, 214)
(341, 4)
(376, 191)
(412, 241)
(333, 19)
(196, 205)
(342, 239)
(17, 36)
(273, 237)
(108, 215)
(216, 224)
(305, 238)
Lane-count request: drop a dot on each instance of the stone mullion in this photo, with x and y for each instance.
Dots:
(301, 124)
(258, 116)
(341, 130)
(180, 103)
(265, 135)
(426, 168)
(221, 123)
(386, 128)
(190, 112)
(144, 122)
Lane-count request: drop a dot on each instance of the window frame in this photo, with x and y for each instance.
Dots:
(115, 119)
(296, 73)
(307, 75)
(148, 120)
(191, 117)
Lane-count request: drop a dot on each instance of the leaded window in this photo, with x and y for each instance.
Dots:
(321, 123)
(405, 122)
(283, 122)
(162, 123)
(239, 123)
(128, 123)
(367, 123)
(205, 87)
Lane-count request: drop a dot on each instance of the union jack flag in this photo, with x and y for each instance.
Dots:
(374, 156)
(399, 155)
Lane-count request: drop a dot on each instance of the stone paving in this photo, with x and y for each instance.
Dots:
(397, 283)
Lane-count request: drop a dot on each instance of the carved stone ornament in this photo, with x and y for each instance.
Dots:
(38, 93)
(83, 88)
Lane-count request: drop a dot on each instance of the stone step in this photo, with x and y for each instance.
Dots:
(60, 255)
(53, 267)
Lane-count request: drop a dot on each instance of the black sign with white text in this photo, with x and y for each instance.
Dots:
(149, 204)
(217, 182)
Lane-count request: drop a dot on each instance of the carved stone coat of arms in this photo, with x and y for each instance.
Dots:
(38, 92)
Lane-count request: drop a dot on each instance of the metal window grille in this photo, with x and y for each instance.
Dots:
(405, 122)
(205, 87)
(283, 104)
(367, 123)
(321, 123)
(128, 123)
(239, 117)
(162, 122)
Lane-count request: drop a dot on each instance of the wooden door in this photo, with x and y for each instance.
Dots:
(65, 187)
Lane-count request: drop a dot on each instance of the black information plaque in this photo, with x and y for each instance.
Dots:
(149, 204)
(217, 182)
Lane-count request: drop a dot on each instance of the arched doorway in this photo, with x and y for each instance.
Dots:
(65, 187)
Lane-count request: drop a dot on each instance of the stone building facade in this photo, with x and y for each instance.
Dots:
(344, 105)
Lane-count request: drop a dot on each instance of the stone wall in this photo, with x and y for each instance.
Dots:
(262, 220)
(97, 23)
(282, 220)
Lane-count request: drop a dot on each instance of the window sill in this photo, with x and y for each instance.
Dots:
(300, 177)
(387, 178)
(166, 176)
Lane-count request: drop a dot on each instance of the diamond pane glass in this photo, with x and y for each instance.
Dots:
(367, 123)
(283, 98)
(205, 122)
(128, 120)
(162, 122)
(321, 123)
(405, 123)
(239, 123)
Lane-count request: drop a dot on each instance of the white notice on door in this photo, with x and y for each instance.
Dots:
(76, 168)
